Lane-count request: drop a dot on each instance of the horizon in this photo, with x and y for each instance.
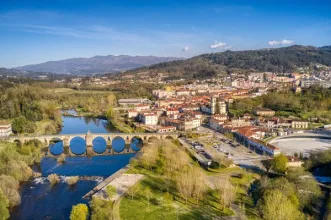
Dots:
(184, 58)
(37, 33)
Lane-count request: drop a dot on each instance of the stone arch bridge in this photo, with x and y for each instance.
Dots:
(146, 138)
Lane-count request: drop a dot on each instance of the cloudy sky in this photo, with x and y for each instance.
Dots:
(38, 31)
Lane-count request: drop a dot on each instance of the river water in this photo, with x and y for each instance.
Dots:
(41, 201)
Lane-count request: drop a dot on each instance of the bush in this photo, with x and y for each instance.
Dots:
(111, 191)
(214, 165)
(101, 209)
(10, 186)
(79, 212)
(72, 180)
(53, 179)
(61, 158)
(4, 205)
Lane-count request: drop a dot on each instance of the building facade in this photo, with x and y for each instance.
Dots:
(5, 129)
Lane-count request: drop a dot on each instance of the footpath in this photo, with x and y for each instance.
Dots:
(105, 182)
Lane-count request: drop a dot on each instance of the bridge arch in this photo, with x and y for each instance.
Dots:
(169, 138)
(78, 145)
(118, 144)
(136, 143)
(153, 139)
(99, 145)
(56, 146)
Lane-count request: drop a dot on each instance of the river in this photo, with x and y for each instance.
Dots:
(41, 201)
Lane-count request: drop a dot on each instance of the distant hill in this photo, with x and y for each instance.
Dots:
(285, 59)
(96, 65)
(14, 73)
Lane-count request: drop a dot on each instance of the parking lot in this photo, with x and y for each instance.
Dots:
(221, 145)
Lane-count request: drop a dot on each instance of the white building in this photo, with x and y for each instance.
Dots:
(149, 118)
(5, 129)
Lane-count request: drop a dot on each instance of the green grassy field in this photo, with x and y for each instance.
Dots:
(73, 91)
(153, 199)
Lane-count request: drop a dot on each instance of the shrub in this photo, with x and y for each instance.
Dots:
(79, 212)
(214, 165)
(111, 191)
(10, 187)
(4, 205)
(72, 180)
(53, 179)
(61, 158)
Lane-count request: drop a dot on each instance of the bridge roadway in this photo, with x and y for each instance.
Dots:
(89, 137)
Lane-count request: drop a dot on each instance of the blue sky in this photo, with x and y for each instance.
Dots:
(38, 31)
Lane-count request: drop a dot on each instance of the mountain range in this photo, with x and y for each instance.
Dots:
(278, 60)
(96, 64)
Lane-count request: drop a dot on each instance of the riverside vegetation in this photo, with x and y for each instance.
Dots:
(15, 164)
(32, 108)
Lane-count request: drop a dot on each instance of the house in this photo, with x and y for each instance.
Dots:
(293, 162)
(142, 107)
(166, 129)
(296, 124)
(137, 101)
(5, 129)
(215, 123)
(132, 113)
(249, 137)
(149, 118)
(239, 122)
(264, 112)
(160, 94)
(172, 111)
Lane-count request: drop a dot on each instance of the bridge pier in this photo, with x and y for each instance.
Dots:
(89, 150)
(66, 150)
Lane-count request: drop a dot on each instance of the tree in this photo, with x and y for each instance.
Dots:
(4, 205)
(280, 163)
(101, 209)
(199, 186)
(79, 212)
(226, 190)
(185, 184)
(111, 191)
(276, 206)
(267, 164)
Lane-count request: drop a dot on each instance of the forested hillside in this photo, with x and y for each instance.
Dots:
(286, 59)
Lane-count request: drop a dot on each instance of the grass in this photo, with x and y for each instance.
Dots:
(73, 91)
(161, 204)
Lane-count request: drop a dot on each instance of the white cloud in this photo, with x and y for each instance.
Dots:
(186, 48)
(283, 42)
(217, 44)
(228, 47)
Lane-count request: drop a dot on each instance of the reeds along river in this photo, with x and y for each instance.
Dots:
(40, 200)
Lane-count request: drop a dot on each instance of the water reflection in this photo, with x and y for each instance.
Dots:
(56, 147)
(118, 144)
(136, 144)
(78, 125)
(99, 145)
(78, 145)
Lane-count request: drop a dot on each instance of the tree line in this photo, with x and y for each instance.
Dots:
(313, 104)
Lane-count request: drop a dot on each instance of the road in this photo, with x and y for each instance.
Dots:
(240, 155)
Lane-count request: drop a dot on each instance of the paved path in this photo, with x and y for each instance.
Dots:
(105, 182)
(121, 184)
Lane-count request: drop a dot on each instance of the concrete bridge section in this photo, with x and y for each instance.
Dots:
(89, 137)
